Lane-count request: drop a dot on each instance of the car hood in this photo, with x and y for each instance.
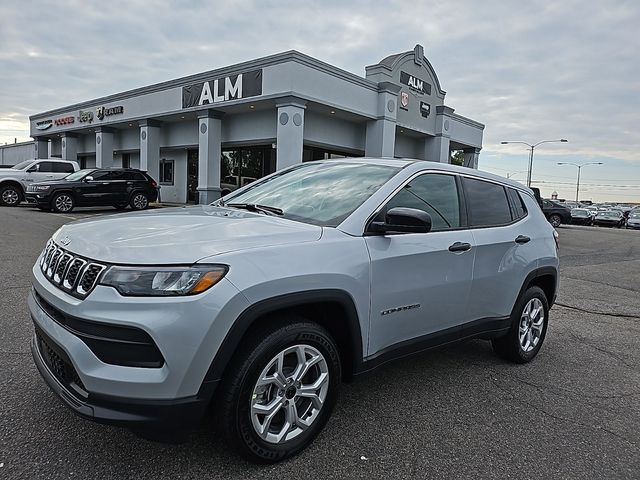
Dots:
(179, 235)
(10, 172)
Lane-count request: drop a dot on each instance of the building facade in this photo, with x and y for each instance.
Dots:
(204, 135)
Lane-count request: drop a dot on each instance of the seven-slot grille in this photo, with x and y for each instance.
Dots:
(73, 274)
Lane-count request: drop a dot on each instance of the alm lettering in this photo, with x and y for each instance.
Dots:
(230, 91)
(415, 83)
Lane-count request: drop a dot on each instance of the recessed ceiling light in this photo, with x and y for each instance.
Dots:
(401, 131)
(131, 124)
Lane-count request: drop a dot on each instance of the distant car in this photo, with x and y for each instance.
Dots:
(118, 187)
(634, 219)
(230, 183)
(15, 180)
(611, 218)
(581, 216)
(556, 214)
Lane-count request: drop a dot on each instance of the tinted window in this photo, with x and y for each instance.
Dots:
(62, 167)
(47, 167)
(101, 175)
(435, 194)
(115, 175)
(487, 203)
(517, 205)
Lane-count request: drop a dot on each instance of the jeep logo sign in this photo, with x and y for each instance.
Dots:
(415, 84)
(232, 87)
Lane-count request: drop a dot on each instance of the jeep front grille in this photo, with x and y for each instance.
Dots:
(71, 273)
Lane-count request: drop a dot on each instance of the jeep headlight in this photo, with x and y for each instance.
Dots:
(163, 281)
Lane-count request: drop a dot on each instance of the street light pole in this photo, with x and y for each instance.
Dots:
(579, 169)
(531, 148)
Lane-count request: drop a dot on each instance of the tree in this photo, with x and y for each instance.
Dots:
(457, 157)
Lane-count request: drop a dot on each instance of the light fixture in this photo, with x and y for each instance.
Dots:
(131, 124)
(252, 106)
(332, 112)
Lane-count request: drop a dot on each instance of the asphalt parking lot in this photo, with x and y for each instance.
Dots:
(459, 412)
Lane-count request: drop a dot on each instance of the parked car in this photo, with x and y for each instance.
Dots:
(119, 187)
(230, 183)
(556, 213)
(581, 216)
(611, 218)
(15, 180)
(634, 220)
(272, 296)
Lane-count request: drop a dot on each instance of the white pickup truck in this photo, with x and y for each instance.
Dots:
(14, 180)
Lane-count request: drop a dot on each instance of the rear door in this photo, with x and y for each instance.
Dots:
(503, 235)
(420, 282)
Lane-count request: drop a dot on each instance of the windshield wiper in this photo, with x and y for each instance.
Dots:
(254, 207)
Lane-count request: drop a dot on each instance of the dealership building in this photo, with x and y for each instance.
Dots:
(203, 135)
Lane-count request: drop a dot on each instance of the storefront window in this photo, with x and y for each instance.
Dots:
(241, 166)
(310, 154)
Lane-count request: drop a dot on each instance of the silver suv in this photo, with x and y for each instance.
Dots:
(15, 180)
(263, 302)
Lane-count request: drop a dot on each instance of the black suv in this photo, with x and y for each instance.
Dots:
(556, 213)
(93, 187)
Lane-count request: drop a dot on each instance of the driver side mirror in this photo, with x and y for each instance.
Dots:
(88, 178)
(35, 168)
(404, 220)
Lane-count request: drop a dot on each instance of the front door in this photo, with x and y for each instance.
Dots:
(420, 282)
(192, 176)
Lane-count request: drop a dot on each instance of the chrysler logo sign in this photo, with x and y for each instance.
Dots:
(223, 89)
(44, 124)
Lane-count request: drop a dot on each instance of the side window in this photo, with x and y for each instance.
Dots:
(517, 205)
(166, 172)
(62, 167)
(48, 167)
(100, 175)
(436, 194)
(115, 175)
(487, 203)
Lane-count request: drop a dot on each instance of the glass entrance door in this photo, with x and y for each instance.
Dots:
(192, 176)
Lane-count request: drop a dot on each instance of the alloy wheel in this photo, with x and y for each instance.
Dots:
(531, 325)
(140, 201)
(63, 203)
(10, 197)
(289, 394)
(555, 220)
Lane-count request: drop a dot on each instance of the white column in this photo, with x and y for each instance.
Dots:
(104, 148)
(437, 149)
(150, 148)
(42, 147)
(290, 132)
(380, 138)
(209, 153)
(70, 147)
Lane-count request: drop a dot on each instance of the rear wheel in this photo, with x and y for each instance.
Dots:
(529, 322)
(10, 196)
(62, 203)
(555, 220)
(139, 201)
(280, 392)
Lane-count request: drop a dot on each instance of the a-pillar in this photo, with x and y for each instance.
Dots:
(437, 149)
(104, 147)
(69, 147)
(209, 154)
(42, 147)
(290, 132)
(380, 138)
(471, 156)
(150, 148)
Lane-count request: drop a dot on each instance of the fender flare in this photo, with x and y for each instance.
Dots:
(298, 299)
(539, 272)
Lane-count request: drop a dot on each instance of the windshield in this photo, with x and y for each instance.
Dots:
(79, 175)
(634, 215)
(610, 214)
(579, 212)
(23, 165)
(318, 193)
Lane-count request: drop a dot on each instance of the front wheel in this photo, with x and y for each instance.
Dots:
(62, 203)
(139, 201)
(529, 321)
(555, 220)
(280, 391)
(10, 196)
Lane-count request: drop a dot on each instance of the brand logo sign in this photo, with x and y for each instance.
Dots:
(415, 84)
(223, 89)
(64, 121)
(85, 117)
(65, 240)
(44, 124)
(404, 100)
(425, 109)
(102, 112)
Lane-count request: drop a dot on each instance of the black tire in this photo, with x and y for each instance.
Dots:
(121, 206)
(555, 220)
(509, 346)
(63, 202)
(139, 201)
(10, 196)
(237, 389)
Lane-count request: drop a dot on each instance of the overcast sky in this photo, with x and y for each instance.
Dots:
(529, 71)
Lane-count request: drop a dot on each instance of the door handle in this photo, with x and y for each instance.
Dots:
(460, 247)
(522, 239)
